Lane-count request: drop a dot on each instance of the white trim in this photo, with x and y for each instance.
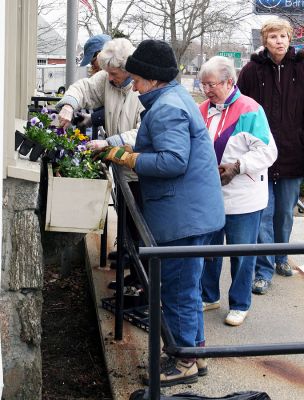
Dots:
(20, 81)
(2, 83)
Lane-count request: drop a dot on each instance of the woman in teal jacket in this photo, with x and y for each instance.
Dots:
(181, 191)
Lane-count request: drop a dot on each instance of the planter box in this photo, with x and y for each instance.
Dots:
(77, 205)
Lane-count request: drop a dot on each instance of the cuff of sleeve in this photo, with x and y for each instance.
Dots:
(115, 140)
(242, 166)
(70, 100)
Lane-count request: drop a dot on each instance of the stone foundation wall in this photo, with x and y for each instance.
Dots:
(21, 291)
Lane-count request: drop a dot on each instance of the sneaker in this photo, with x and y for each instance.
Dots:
(211, 306)
(284, 269)
(202, 366)
(236, 317)
(260, 286)
(177, 373)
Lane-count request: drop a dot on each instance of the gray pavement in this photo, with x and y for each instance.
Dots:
(277, 317)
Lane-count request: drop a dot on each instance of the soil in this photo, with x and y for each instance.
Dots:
(73, 366)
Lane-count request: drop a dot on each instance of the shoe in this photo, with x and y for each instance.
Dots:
(284, 269)
(211, 306)
(202, 367)
(177, 373)
(129, 280)
(260, 286)
(236, 317)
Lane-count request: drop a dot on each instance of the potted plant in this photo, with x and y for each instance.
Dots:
(19, 138)
(78, 185)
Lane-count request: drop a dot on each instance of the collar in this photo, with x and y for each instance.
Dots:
(124, 84)
(147, 99)
(234, 94)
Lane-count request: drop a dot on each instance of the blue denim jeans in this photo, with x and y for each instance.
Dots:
(276, 222)
(181, 293)
(239, 229)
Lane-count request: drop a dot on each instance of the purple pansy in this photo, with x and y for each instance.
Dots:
(40, 125)
(53, 116)
(81, 147)
(44, 110)
(34, 121)
(60, 131)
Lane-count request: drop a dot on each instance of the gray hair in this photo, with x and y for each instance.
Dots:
(115, 53)
(221, 66)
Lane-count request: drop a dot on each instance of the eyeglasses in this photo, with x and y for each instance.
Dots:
(210, 85)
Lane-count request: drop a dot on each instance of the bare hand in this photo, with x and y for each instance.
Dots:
(65, 116)
(228, 172)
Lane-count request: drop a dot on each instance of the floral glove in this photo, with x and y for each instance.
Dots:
(228, 172)
(120, 156)
(97, 144)
(65, 116)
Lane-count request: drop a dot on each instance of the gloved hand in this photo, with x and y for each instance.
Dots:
(65, 116)
(120, 156)
(228, 172)
(97, 144)
(86, 122)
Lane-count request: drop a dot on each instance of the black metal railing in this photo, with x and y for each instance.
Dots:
(157, 324)
(36, 100)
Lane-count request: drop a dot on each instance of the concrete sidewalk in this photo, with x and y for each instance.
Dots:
(277, 317)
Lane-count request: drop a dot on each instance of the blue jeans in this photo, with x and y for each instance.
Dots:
(181, 293)
(276, 222)
(239, 229)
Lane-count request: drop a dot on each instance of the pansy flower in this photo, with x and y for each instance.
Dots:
(34, 121)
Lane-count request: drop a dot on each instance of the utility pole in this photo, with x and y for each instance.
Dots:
(109, 21)
(71, 41)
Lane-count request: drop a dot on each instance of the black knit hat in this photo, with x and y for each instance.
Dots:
(153, 59)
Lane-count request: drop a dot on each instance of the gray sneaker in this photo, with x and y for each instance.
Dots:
(284, 269)
(260, 286)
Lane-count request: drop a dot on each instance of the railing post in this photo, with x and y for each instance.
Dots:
(103, 244)
(154, 328)
(121, 224)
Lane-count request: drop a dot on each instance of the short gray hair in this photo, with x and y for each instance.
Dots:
(115, 53)
(221, 66)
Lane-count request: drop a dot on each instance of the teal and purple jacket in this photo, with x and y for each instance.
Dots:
(240, 131)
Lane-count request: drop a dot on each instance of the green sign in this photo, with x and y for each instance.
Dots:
(231, 54)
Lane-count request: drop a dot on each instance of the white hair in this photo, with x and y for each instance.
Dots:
(115, 53)
(221, 66)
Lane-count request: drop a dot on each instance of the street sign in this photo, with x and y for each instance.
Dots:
(278, 6)
(236, 55)
(230, 54)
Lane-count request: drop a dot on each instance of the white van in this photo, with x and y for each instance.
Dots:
(50, 78)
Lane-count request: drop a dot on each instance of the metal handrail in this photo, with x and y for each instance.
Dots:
(157, 324)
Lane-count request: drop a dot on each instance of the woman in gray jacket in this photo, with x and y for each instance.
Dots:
(111, 88)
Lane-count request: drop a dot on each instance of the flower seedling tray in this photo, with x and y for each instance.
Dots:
(137, 316)
(76, 204)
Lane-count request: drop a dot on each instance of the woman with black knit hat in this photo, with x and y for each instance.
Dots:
(181, 192)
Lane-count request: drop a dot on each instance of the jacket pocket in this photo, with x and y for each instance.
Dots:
(155, 190)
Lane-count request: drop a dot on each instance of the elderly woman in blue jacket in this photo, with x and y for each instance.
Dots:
(181, 192)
